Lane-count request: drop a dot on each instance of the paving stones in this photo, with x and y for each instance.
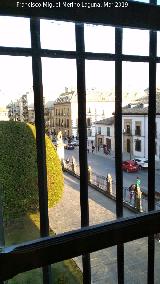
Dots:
(66, 217)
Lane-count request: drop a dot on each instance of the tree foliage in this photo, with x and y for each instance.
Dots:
(18, 170)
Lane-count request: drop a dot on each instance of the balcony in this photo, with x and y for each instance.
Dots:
(137, 132)
(127, 132)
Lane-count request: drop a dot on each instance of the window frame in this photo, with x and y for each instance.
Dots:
(24, 256)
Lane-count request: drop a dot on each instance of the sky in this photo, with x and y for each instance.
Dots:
(16, 72)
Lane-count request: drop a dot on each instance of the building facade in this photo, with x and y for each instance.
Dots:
(99, 105)
(105, 134)
(4, 114)
(18, 111)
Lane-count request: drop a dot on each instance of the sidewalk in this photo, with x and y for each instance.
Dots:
(66, 216)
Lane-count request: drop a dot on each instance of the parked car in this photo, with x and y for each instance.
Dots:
(141, 162)
(75, 142)
(69, 146)
(130, 166)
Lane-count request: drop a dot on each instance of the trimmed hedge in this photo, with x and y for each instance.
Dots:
(18, 170)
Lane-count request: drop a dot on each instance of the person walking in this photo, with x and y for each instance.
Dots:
(131, 192)
(93, 147)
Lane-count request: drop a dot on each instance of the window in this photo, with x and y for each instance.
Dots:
(138, 130)
(138, 145)
(108, 131)
(128, 129)
(99, 130)
(67, 122)
(118, 232)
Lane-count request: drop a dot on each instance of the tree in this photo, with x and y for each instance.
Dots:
(18, 170)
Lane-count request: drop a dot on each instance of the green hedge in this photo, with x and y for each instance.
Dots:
(18, 170)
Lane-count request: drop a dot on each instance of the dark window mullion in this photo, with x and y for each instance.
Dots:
(118, 146)
(40, 135)
(82, 128)
(151, 146)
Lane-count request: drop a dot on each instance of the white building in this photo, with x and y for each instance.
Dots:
(134, 130)
(99, 105)
(105, 133)
(3, 114)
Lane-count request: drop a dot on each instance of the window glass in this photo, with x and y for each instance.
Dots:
(158, 43)
(14, 32)
(99, 38)
(19, 192)
(135, 126)
(135, 42)
(136, 271)
(59, 35)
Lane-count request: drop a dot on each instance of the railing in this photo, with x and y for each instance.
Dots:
(108, 187)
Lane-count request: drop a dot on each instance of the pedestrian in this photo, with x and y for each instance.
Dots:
(131, 192)
(93, 147)
(98, 147)
(88, 150)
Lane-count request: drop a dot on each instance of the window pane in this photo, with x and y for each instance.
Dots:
(135, 261)
(135, 42)
(158, 43)
(99, 39)
(57, 35)
(14, 32)
(135, 132)
(19, 192)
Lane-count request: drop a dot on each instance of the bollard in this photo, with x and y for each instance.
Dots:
(109, 183)
(89, 174)
(73, 164)
(138, 199)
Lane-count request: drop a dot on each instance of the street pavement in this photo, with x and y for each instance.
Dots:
(103, 164)
(65, 216)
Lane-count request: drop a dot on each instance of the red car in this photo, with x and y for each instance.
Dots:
(129, 166)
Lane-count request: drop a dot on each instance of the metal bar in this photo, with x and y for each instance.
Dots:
(40, 136)
(118, 147)
(134, 15)
(151, 145)
(18, 51)
(82, 128)
(30, 255)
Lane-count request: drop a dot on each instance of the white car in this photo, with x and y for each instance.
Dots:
(141, 162)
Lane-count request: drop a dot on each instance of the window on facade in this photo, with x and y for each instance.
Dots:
(138, 145)
(138, 130)
(108, 131)
(99, 130)
(128, 129)
(67, 122)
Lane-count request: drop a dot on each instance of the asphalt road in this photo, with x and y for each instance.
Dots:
(103, 165)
